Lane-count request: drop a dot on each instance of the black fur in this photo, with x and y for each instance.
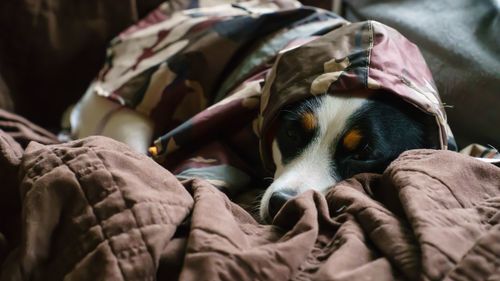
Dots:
(389, 127)
(388, 124)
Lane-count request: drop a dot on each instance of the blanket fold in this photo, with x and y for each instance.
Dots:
(91, 209)
(23, 130)
(94, 209)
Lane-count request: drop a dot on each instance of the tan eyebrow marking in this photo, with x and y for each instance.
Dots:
(309, 121)
(352, 139)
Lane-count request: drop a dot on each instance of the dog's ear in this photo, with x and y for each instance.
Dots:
(428, 123)
(430, 127)
(431, 131)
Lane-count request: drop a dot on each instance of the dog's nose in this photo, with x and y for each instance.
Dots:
(278, 199)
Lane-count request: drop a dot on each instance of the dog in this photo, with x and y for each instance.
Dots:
(323, 140)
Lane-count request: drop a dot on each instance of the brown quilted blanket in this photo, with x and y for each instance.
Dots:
(93, 209)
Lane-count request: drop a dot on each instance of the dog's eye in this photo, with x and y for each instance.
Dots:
(362, 154)
(293, 134)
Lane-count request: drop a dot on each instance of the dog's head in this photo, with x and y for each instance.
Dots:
(322, 140)
(345, 103)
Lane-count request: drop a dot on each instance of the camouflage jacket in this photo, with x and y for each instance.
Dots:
(199, 75)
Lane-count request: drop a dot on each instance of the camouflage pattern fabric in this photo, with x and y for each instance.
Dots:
(197, 73)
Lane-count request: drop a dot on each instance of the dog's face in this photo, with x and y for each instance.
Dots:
(325, 139)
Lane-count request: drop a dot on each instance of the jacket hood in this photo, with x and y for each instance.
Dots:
(363, 55)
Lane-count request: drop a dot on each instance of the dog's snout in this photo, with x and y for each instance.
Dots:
(278, 199)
